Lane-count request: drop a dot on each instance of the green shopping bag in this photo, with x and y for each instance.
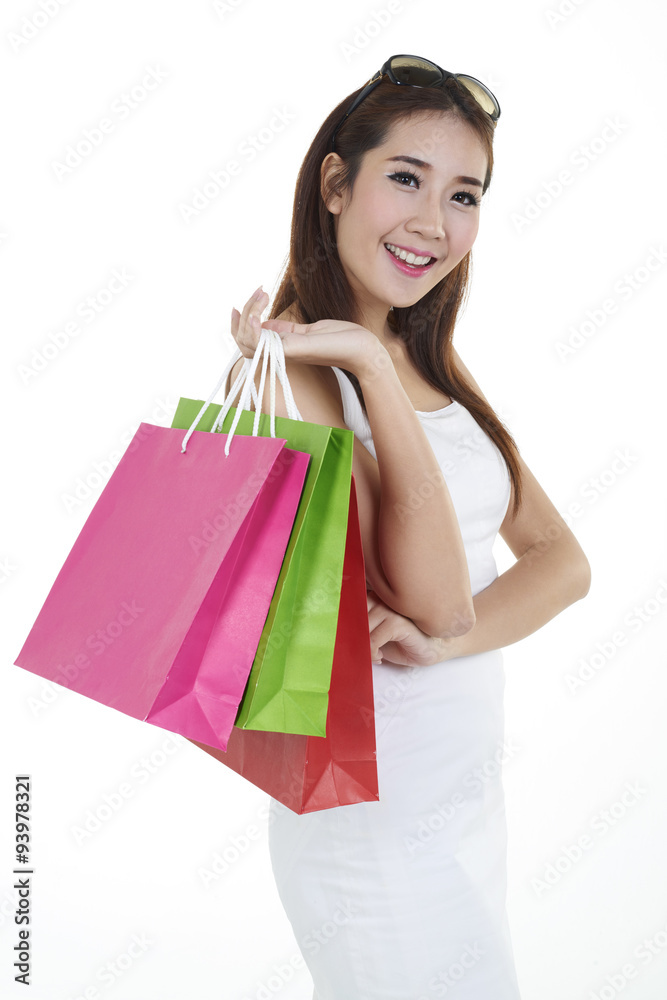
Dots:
(288, 686)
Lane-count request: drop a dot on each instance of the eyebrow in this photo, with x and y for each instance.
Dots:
(427, 166)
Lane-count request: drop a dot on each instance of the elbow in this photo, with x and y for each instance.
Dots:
(582, 578)
(449, 625)
(459, 625)
(437, 615)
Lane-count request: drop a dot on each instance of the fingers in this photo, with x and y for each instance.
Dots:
(375, 618)
(376, 615)
(381, 624)
(285, 326)
(246, 325)
(382, 633)
(376, 655)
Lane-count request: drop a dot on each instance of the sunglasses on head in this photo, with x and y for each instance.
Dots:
(413, 71)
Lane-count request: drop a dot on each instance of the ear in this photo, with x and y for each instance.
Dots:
(329, 171)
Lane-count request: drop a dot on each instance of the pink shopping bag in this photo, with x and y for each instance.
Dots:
(159, 607)
(310, 773)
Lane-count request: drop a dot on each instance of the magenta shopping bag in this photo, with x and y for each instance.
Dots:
(159, 607)
(310, 773)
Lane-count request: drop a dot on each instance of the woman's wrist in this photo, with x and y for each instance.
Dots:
(453, 646)
(373, 362)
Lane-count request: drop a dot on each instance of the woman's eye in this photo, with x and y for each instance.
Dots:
(401, 176)
(472, 198)
(405, 173)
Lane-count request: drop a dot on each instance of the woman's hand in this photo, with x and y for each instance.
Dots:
(245, 325)
(396, 639)
(326, 342)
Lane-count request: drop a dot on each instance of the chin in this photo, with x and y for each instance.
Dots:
(409, 301)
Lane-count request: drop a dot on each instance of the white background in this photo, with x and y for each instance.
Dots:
(560, 79)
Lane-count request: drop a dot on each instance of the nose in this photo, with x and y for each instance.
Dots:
(429, 219)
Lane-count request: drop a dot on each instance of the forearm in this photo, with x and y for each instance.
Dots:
(420, 546)
(522, 599)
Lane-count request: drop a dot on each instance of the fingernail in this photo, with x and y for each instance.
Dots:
(256, 294)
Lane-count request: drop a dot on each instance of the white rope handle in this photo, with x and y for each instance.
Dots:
(260, 395)
(239, 384)
(248, 388)
(221, 381)
(229, 399)
(290, 403)
(270, 352)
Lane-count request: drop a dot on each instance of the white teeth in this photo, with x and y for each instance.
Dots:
(409, 258)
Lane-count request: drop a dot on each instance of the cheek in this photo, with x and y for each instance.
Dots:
(466, 232)
(377, 213)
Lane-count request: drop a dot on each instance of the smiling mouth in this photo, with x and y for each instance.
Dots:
(411, 259)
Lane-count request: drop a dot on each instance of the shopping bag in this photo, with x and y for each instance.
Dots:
(160, 604)
(309, 773)
(288, 687)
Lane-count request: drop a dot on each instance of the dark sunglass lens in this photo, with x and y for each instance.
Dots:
(415, 72)
(481, 95)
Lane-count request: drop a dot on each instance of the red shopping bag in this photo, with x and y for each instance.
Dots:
(159, 607)
(308, 773)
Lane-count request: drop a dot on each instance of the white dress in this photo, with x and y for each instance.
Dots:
(404, 898)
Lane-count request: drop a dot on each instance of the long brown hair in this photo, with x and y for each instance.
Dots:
(314, 282)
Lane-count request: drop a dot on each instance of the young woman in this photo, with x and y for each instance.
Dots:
(404, 899)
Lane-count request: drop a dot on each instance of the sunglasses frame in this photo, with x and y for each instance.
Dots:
(387, 71)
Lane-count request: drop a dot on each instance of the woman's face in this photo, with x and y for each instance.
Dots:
(435, 212)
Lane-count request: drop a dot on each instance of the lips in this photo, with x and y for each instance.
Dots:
(415, 250)
(414, 272)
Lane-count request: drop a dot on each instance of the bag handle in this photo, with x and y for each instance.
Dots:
(270, 352)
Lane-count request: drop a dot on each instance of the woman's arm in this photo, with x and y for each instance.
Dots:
(396, 639)
(414, 553)
(548, 576)
(551, 573)
(541, 584)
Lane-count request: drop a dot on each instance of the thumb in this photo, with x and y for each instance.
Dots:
(284, 326)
